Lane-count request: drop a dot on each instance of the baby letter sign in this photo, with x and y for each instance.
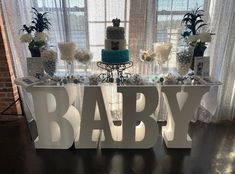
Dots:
(60, 125)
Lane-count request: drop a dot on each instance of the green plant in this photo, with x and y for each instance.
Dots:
(36, 44)
(193, 20)
(40, 21)
(27, 29)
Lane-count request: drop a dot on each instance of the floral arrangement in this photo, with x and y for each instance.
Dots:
(49, 55)
(147, 56)
(202, 37)
(34, 33)
(170, 78)
(193, 23)
(83, 56)
(67, 51)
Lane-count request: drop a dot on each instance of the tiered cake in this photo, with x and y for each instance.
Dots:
(115, 51)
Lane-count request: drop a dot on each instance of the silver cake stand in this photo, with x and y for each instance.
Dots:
(111, 68)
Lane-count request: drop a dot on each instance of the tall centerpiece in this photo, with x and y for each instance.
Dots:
(193, 36)
(83, 57)
(148, 58)
(67, 51)
(162, 51)
(34, 34)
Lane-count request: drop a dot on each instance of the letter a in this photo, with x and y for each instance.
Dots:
(92, 96)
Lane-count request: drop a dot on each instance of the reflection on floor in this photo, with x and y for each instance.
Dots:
(213, 152)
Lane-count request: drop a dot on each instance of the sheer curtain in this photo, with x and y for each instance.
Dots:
(16, 14)
(222, 53)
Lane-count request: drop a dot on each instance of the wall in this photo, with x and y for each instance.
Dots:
(8, 89)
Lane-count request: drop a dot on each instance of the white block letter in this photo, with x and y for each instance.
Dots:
(131, 117)
(94, 96)
(180, 111)
(57, 120)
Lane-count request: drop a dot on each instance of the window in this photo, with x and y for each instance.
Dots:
(100, 15)
(85, 21)
(69, 23)
(169, 14)
(68, 18)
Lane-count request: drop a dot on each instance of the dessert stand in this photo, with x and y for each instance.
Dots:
(111, 67)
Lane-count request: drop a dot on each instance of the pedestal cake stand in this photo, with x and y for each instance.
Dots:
(111, 68)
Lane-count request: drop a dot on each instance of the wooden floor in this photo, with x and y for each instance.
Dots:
(213, 152)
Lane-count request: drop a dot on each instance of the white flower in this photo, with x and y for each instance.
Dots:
(67, 51)
(193, 38)
(147, 56)
(83, 56)
(94, 79)
(49, 55)
(170, 79)
(26, 38)
(162, 51)
(40, 36)
(205, 37)
(137, 79)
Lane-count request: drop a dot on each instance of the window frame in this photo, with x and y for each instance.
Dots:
(105, 22)
(66, 23)
(170, 35)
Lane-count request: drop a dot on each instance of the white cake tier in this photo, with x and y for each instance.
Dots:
(115, 44)
(115, 32)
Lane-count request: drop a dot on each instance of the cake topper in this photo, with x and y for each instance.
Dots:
(116, 22)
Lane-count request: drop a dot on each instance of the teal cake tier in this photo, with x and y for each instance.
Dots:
(117, 56)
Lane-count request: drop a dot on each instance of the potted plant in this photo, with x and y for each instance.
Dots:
(193, 23)
(34, 35)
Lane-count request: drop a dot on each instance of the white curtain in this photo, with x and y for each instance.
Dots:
(221, 18)
(16, 13)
